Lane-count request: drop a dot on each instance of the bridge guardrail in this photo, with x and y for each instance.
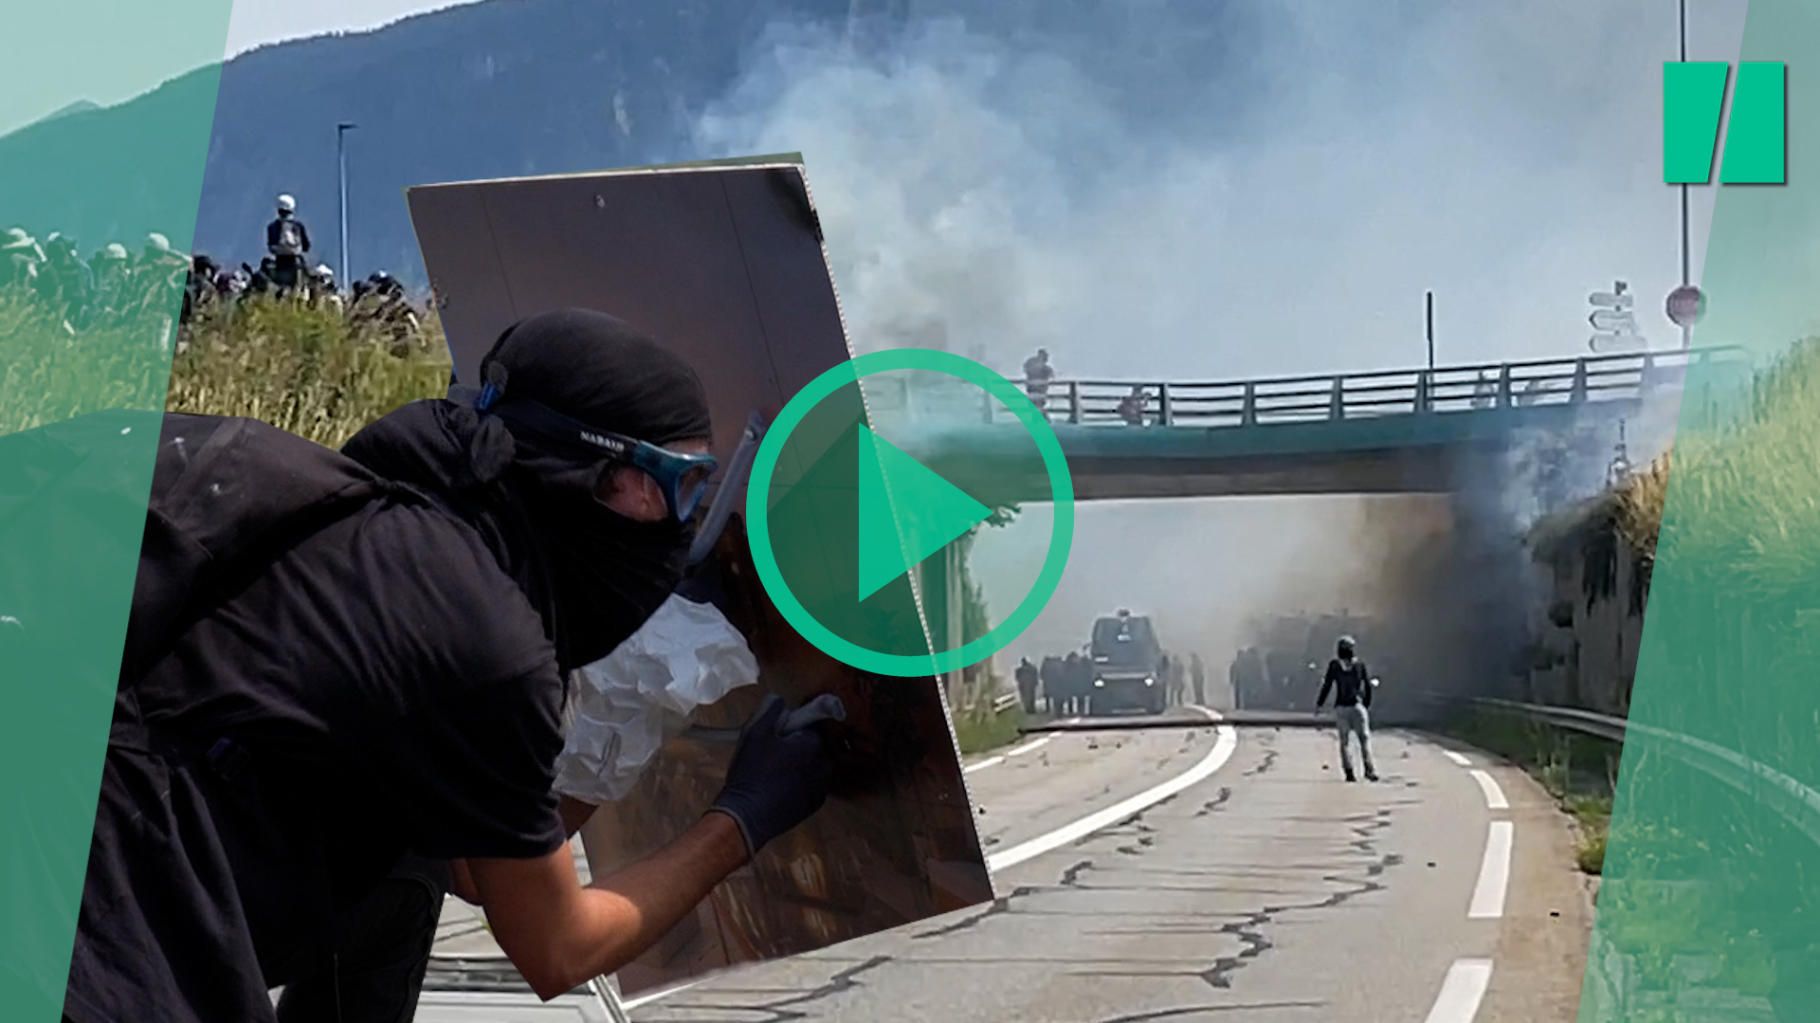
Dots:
(1304, 399)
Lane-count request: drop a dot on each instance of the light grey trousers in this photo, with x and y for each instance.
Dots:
(1354, 721)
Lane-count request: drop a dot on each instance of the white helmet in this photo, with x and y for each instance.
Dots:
(286, 204)
(157, 242)
(114, 250)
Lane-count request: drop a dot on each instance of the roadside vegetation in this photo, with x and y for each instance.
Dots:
(1579, 771)
(306, 369)
(303, 369)
(1708, 896)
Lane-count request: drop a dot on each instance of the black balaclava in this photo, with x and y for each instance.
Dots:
(609, 573)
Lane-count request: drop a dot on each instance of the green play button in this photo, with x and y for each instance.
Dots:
(931, 512)
(857, 541)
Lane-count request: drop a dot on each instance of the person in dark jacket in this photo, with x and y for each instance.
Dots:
(1077, 680)
(1054, 684)
(287, 241)
(360, 708)
(66, 280)
(1026, 685)
(1350, 683)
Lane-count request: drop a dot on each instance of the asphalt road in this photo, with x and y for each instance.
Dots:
(1194, 872)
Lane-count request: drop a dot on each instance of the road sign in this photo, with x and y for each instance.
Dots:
(1612, 299)
(1686, 305)
(1603, 343)
(1613, 320)
(1612, 317)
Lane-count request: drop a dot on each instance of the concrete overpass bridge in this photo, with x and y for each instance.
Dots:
(1385, 432)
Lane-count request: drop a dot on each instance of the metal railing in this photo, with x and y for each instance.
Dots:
(1796, 803)
(1326, 398)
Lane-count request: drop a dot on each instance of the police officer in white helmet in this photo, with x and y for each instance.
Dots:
(288, 241)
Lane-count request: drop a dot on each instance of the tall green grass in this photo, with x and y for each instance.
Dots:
(50, 372)
(304, 369)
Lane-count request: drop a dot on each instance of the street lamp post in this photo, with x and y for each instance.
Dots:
(341, 192)
(1428, 327)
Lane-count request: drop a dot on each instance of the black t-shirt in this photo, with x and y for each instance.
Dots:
(385, 688)
(1351, 685)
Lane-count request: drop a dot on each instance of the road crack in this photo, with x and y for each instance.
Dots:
(1214, 804)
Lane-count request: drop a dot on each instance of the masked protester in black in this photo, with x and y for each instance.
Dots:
(372, 715)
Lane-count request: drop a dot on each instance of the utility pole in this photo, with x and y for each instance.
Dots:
(341, 192)
(1429, 328)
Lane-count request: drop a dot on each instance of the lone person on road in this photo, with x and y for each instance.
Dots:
(343, 687)
(1197, 669)
(1350, 682)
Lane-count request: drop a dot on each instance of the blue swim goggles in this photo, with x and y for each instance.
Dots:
(682, 478)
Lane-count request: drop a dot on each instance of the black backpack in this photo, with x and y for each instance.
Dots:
(76, 522)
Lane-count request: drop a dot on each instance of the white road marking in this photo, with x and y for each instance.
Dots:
(1494, 872)
(1461, 992)
(1034, 744)
(982, 765)
(1458, 758)
(1494, 796)
(1223, 746)
(633, 1003)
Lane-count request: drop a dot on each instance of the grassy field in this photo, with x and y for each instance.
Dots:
(303, 369)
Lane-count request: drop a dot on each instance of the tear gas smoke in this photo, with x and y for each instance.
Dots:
(1197, 191)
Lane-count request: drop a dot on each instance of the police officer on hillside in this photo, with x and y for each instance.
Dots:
(288, 242)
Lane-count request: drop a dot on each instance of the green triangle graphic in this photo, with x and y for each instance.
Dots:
(906, 512)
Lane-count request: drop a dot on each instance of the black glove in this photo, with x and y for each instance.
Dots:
(780, 770)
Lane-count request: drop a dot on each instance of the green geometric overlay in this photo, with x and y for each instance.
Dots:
(848, 527)
(1710, 902)
(1756, 137)
(1693, 95)
(935, 512)
(72, 492)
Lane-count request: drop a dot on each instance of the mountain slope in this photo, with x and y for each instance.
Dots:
(505, 88)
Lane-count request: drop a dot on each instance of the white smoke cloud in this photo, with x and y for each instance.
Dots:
(991, 190)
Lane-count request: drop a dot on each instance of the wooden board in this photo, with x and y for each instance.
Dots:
(725, 264)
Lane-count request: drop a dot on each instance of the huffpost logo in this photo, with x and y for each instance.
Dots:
(1693, 103)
